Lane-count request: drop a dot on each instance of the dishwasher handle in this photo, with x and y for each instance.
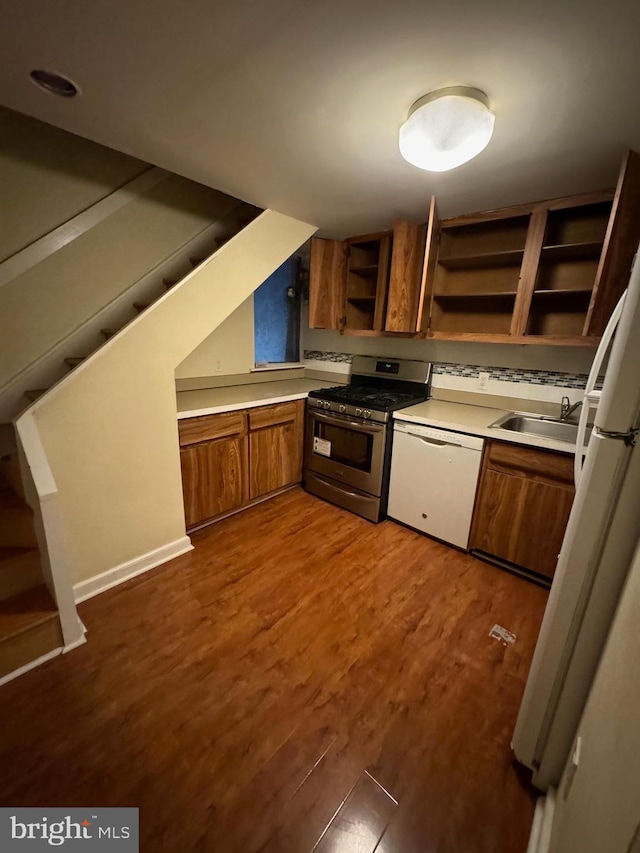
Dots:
(435, 442)
(437, 437)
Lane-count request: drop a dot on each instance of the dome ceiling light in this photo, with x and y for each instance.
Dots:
(446, 128)
(54, 83)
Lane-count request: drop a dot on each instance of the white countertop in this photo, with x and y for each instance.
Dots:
(212, 401)
(474, 420)
(458, 417)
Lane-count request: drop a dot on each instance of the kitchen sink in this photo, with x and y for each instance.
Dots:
(540, 426)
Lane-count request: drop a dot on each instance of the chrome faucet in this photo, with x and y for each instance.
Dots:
(566, 409)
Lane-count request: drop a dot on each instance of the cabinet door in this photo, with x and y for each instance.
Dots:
(620, 245)
(521, 521)
(276, 458)
(327, 273)
(214, 478)
(405, 278)
(427, 278)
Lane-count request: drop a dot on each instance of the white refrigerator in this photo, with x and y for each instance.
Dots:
(596, 554)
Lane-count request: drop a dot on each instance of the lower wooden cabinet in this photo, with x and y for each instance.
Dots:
(523, 505)
(214, 462)
(275, 448)
(214, 478)
(231, 459)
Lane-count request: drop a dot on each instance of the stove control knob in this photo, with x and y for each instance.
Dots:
(327, 404)
(320, 404)
(358, 413)
(366, 413)
(342, 408)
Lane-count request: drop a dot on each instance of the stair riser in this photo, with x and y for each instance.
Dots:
(30, 645)
(16, 529)
(10, 474)
(19, 574)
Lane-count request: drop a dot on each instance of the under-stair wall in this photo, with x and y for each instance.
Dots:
(109, 430)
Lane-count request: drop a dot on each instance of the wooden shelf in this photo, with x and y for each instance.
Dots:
(483, 337)
(496, 294)
(365, 270)
(363, 299)
(373, 333)
(506, 258)
(571, 251)
(581, 291)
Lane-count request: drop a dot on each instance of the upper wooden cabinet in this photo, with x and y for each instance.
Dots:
(326, 283)
(549, 272)
(367, 285)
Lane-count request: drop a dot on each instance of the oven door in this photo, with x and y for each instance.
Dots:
(346, 449)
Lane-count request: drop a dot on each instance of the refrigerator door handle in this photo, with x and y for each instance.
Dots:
(589, 396)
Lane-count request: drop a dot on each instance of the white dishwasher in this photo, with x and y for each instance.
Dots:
(434, 477)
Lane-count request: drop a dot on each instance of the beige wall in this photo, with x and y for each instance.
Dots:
(110, 430)
(39, 308)
(601, 813)
(227, 351)
(47, 176)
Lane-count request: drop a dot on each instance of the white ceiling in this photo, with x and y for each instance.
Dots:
(296, 105)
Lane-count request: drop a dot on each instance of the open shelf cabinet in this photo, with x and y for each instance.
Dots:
(549, 272)
(367, 285)
(368, 263)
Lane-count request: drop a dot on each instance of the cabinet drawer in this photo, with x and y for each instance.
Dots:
(194, 430)
(544, 466)
(280, 413)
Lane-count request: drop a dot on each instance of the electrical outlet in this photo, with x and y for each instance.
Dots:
(483, 380)
(218, 367)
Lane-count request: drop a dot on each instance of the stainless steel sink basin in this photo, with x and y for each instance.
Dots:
(540, 426)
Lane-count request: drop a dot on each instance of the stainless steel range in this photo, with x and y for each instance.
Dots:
(348, 436)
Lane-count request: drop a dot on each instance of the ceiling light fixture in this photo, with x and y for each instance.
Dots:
(54, 83)
(446, 128)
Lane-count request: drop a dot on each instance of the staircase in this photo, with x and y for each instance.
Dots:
(166, 276)
(86, 438)
(29, 623)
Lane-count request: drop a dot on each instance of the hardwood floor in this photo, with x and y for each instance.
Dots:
(302, 678)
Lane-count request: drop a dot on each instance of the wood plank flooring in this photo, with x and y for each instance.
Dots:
(302, 680)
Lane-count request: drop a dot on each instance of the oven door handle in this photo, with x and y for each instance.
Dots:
(361, 427)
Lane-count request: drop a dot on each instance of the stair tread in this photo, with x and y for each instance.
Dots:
(26, 610)
(8, 553)
(10, 501)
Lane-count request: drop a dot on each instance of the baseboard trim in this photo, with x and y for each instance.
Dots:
(74, 645)
(130, 569)
(32, 665)
(231, 512)
(540, 838)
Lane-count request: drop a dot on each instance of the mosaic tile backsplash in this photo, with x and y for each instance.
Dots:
(472, 371)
